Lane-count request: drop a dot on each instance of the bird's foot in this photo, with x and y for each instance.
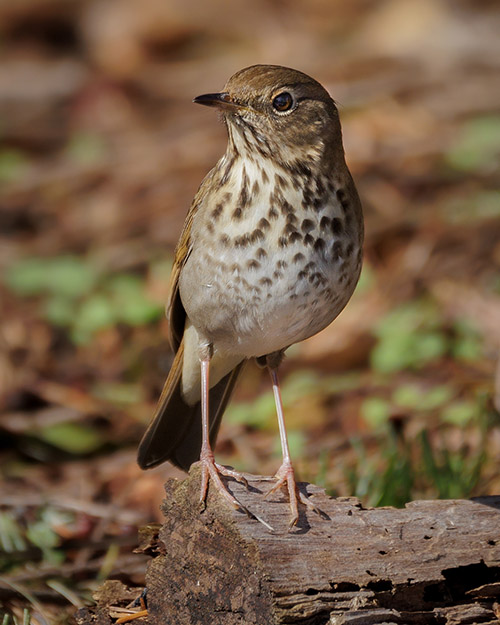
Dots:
(285, 476)
(210, 470)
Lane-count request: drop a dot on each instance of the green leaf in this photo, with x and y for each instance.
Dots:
(11, 538)
(238, 413)
(140, 311)
(59, 310)
(460, 413)
(375, 411)
(468, 349)
(131, 303)
(95, 313)
(472, 207)
(341, 383)
(65, 276)
(27, 276)
(407, 396)
(415, 397)
(263, 411)
(393, 353)
(409, 337)
(119, 393)
(477, 145)
(429, 346)
(86, 148)
(42, 535)
(73, 438)
(70, 276)
(366, 280)
(436, 397)
(296, 444)
(298, 384)
(259, 414)
(125, 285)
(468, 343)
(13, 165)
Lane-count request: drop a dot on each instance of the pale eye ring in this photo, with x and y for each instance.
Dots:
(283, 102)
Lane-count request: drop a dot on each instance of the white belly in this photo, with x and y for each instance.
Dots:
(274, 275)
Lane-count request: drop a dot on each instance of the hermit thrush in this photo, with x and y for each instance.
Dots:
(269, 255)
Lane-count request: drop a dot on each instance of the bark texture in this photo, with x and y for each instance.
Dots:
(433, 562)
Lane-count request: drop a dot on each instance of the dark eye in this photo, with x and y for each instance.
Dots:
(283, 102)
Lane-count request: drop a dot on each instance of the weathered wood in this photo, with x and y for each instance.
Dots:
(431, 562)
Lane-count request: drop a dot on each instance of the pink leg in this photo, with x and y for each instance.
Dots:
(285, 473)
(209, 468)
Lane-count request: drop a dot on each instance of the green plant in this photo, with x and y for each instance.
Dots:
(453, 475)
(409, 337)
(415, 334)
(74, 294)
(401, 469)
(476, 145)
(386, 479)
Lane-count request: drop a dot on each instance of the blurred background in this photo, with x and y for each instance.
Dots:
(101, 153)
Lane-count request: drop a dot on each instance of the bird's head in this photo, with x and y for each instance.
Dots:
(279, 113)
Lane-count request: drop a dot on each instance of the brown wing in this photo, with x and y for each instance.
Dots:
(175, 310)
(175, 432)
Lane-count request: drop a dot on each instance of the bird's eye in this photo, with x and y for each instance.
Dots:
(283, 102)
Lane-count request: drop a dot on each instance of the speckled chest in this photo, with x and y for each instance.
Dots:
(275, 257)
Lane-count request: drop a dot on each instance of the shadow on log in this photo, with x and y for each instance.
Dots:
(433, 562)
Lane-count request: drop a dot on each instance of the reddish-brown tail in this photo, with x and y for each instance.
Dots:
(175, 432)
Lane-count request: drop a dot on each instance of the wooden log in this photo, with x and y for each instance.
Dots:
(433, 562)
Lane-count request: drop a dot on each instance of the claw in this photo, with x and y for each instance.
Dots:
(210, 470)
(286, 476)
(236, 475)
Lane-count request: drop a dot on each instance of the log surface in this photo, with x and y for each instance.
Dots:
(431, 562)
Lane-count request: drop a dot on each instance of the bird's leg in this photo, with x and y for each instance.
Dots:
(209, 468)
(285, 473)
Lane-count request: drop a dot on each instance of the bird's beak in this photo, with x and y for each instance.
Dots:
(221, 101)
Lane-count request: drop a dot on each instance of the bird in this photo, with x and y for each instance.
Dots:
(269, 255)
